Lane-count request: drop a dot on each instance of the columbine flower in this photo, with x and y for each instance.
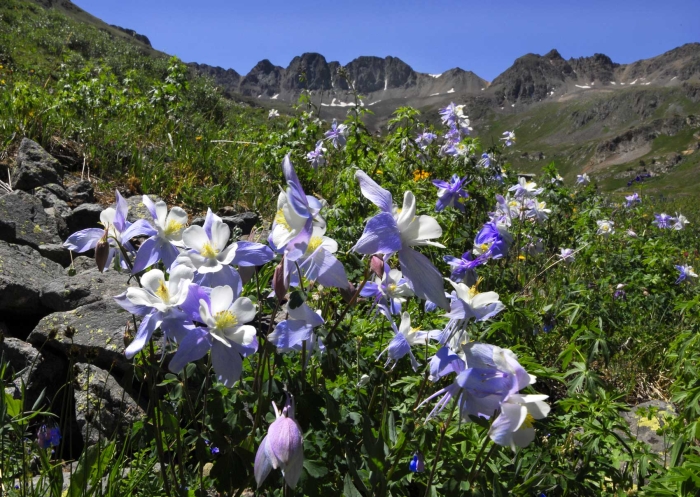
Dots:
(492, 240)
(48, 436)
(223, 316)
(680, 223)
(449, 114)
(537, 210)
(632, 199)
(492, 376)
(397, 230)
(425, 139)
(485, 160)
(582, 179)
(158, 302)
(404, 338)
(464, 268)
(525, 189)
(467, 303)
(567, 255)
(317, 263)
(282, 447)
(273, 113)
(337, 134)
(315, 157)
(297, 330)
(119, 232)
(605, 228)
(514, 425)
(556, 180)
(417, 464)
(388, 292)
(663, 221)
(450, 194)
(297, 216)
(164, 244)
(508, 138)
(631, 234)
(686, 272)
(210, 255)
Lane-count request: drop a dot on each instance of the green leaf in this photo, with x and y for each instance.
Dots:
(315, 469)
(349, 489)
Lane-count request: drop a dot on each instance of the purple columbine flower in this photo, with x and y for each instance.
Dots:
(582, 179)
(425, 139)
(449, 114)
(282, 447)
(464, 268)
(632, 199)
(663, 221)
(566, 255)
(417, 464)
(222, 315)
(485, 160)
(119, 231)
(450, 194)
(685, 272)
(493, 240)
(525, 189)
(397, 230)
(315, 157)
(48, 436)
(404, 338)
(164, 245)
(388, 292)
(159, 303)
(298, 328)
(337, 134)
(211, 257)
(508, 138)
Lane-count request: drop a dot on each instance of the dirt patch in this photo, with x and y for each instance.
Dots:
(618, 159)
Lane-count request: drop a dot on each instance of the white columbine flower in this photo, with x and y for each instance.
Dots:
(680, 223)
(582, 179)
(605, 228)
(273, 113)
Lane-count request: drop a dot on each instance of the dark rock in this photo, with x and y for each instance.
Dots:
(24, 221)
(227, 78)
(93, 333)
(71, 292)
(142, 38)
(85, 216)
(35, 167)
(81, 264)
(55, 206)
(137, 209)
(264, 79)
(81, 193)
(103, 409)
(54, 189)
(37, 370)
(245, 221)
(23, 274)
(645, 419)
(56, 252)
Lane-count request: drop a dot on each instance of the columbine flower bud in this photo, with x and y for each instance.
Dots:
(417, 464)
(376, 264)
(102, 251)
(281, 448)
(278, 283)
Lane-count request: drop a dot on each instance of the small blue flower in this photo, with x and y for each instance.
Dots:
(214, 450)
(337, 134)
(417, 464)
(48, 436)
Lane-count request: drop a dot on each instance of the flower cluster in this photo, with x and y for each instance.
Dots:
(665, 221)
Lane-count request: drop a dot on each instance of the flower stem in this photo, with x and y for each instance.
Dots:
(443, 430)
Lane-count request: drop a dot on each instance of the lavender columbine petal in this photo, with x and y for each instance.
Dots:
(140, 228)
(227, 276)
(125, 303)
(445, 362)
(323, 267)
(426, 281)
(381, 236)
(227, 363)
(144, 333)
(374, 193)
(252, 254)
(122, 210)
(147, 255)
(193, 347)
(263, 465)
(84, 240)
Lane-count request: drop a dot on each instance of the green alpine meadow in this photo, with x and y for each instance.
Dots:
(357, 280)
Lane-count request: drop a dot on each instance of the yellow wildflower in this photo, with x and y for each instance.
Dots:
(419, 175)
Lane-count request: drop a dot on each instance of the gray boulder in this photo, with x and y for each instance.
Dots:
(245, 221)
(81, 193)
(56, 252)
(70, 292)
(92, 333)
(23, 274)
(646, 419)
(24, 221)
(34, 167)
(54, 189)
(103, 409)
(84, 216)
(137, 209)
(36, 370)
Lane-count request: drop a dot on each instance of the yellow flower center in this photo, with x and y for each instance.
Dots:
(162, 292)
(392, 288)
(314, 243)
(225, 319)
(484, 247)
(281, 220)
(208, 250)
(173, 227)
(528, 423)
(474, 290)
(605, 227)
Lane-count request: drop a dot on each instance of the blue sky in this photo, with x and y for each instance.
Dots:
(431, 36)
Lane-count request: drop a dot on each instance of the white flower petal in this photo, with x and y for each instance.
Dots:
(244, 309)
(195, 238)
(221, 299)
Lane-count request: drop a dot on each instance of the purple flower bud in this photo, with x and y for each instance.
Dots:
(48, 436)
(417, 464)
(102, 252)
(281, 448)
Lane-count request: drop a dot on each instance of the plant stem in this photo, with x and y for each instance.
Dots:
(443, 430)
